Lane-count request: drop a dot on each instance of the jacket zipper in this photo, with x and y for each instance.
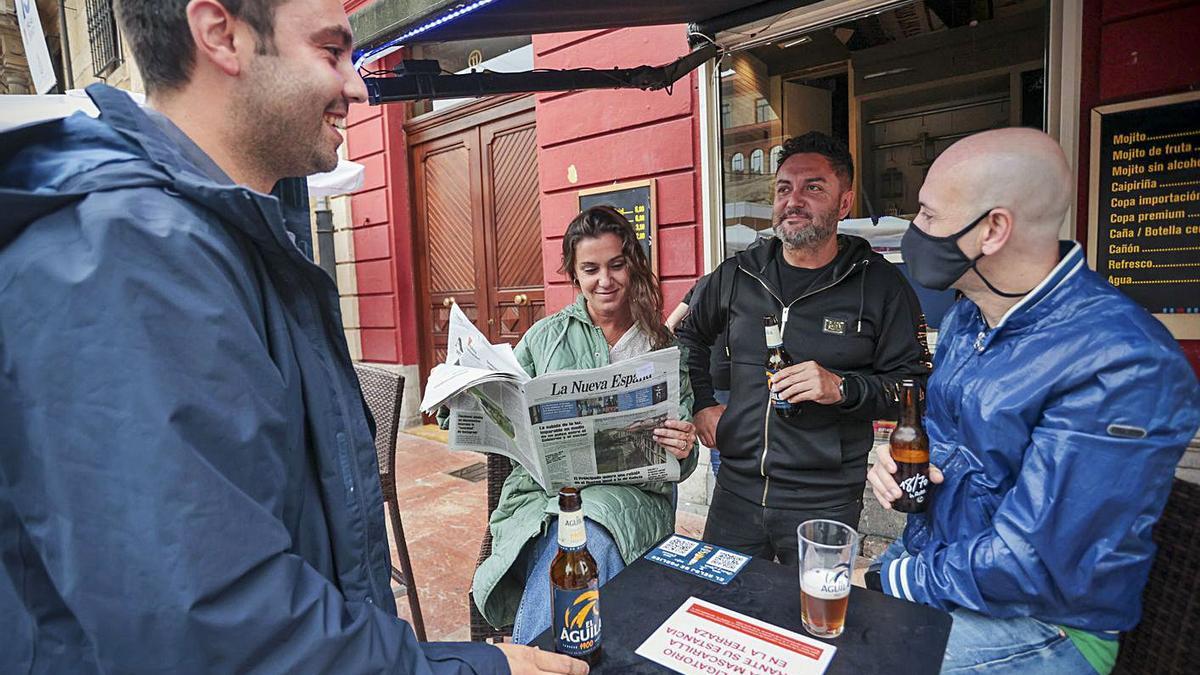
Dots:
(341, 401)
(762, 463)
(311, 303)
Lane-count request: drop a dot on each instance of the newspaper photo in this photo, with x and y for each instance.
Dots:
(572, 427)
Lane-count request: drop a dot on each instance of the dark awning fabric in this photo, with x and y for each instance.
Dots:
(386, 20)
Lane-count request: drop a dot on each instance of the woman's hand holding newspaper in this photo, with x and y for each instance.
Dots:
(677, 436)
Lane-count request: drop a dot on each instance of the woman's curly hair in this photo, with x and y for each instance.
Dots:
(644, 295)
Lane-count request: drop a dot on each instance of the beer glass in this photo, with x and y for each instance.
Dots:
(827, 551)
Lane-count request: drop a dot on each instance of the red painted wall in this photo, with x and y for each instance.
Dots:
(620, 135)
(1134, 49)
(381, 219)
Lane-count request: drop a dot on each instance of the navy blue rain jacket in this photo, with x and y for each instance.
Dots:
(187, 478)
(1058, 432)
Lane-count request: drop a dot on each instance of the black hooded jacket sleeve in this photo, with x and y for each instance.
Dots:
(901, 352)
(707, 317)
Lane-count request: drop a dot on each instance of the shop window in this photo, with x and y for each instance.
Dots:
(756, 161)
(102, 37)
(762, 111)
(904, 84)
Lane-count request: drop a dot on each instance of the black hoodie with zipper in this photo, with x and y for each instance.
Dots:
(860, 319)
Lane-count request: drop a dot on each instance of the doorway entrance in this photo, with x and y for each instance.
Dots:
(478, 224)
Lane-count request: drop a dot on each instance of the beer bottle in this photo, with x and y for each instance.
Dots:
(574, 585)
(777, 360)
(910, 451)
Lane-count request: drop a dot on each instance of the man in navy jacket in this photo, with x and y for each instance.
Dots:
(188, 482)
(1056, 412)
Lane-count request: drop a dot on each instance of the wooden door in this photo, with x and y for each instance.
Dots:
(449, 240)
(478, 225)
(513, 227)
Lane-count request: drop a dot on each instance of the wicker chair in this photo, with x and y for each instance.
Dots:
(1165, 641)
(498, 468)
(383, 391)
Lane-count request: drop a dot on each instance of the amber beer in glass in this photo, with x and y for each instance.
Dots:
(910, 451)
(827, 552)
(777, 360)
(574, 585)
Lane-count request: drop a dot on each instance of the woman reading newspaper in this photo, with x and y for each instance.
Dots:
(618, 315)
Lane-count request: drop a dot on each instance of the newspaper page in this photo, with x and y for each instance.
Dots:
(470, 360)
(597, 426)
(577, 427)
(481, 383)
(466, 346)
(491, 417)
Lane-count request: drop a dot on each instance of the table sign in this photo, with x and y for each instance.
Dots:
(703, 638)
(1144, 220)
(706, 561)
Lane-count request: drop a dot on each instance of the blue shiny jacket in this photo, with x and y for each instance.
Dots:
(187, 478)
(1058, 432)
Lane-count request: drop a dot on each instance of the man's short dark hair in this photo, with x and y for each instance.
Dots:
(158, 34)
(826, 146)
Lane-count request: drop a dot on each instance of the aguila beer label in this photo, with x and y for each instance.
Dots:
(776, 401)
(827, 584)
(577, 619)
(571, 533)
(774, 340)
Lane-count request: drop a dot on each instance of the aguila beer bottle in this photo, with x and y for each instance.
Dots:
(910, 451)
(574, 584)
(777, 360)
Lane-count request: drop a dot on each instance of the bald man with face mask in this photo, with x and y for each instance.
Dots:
(1056, 412)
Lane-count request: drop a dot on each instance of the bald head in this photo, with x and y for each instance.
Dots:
(1023, 170)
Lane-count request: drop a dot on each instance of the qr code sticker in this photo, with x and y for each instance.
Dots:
(679, 546)
(727, 560)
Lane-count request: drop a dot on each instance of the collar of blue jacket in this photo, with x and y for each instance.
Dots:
(1039, 302)
(124, 146)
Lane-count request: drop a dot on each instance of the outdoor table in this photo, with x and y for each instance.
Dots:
(882, 635)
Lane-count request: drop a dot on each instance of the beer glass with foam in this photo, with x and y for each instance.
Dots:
(827, 552)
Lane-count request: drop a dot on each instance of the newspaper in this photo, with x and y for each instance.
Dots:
(572, 427)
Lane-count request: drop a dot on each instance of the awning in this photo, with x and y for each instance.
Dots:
(386, 25)
(414, 21)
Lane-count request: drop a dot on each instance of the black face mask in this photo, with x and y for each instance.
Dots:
(938, 262)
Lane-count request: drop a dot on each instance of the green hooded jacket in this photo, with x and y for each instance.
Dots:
(637, 516)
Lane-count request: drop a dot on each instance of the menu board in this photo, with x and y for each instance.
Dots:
(635, 201)
(1144, 229)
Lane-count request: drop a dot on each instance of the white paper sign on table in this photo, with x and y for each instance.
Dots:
(703, 638)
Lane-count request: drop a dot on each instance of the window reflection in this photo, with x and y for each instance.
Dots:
(899, 87)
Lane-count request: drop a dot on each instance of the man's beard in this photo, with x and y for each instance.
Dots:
(279, 134)
(820, 229)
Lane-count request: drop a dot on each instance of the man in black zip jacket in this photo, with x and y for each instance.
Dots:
(853, 326)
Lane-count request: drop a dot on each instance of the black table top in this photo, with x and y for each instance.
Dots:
(882, 635)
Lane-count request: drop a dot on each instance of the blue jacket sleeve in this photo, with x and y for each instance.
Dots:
(1071, 539)
(150, 428)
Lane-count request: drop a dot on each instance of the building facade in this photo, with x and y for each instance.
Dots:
(14, 67)
(899, 84)
(466, 201)
(98, 52)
